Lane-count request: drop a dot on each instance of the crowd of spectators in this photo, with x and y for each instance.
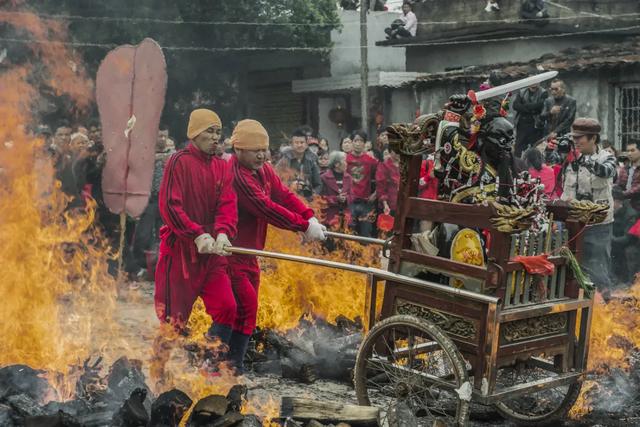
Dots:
(355, 186)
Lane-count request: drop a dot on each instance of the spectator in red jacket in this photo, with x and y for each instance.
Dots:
(388, 183)
(198, 206)
(362, 168)
(336, 190)
(262, 200)
(538, 169)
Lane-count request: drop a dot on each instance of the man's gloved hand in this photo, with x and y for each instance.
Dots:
(205, 243)
(222, 242)
(315, 231)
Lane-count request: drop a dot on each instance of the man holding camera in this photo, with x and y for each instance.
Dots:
(589, 176)
(299, 165)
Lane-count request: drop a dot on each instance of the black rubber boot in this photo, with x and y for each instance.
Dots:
(237, 350)
(222, 332)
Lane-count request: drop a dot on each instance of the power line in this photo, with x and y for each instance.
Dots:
(45, 16)
(320, 49)
(309, 24)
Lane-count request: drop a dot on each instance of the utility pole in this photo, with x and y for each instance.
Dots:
(364, 66)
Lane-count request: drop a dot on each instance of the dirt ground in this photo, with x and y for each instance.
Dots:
(135, 313)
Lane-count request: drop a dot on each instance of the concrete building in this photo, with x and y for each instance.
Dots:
(339, 89)
(592, 44)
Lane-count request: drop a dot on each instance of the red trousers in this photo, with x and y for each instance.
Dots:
(182, 275)
(245, 281)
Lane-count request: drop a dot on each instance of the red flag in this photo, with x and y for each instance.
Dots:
(130, 89)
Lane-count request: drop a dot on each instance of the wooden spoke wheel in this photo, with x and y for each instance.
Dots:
(410, 368)
(538, 408)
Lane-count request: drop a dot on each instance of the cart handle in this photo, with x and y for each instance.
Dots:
(375, 272)
(354, 238)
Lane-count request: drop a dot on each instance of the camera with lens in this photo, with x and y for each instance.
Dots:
(565, 143)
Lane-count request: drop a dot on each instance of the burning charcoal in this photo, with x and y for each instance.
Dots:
(250, 421)
(237, 394)
(21, 379)
(273, 367)
(90, 386)
(132, 413)
(228, 420)
(400, 415)
(5, 416)
(169, 408)
(71, 407)
(290, 422)
(208, 410)
(24, 405)
(298, 371)
(347, 325)
(125, 376)
(58, 420)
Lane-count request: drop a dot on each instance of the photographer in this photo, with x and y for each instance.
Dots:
(299, 166)
(588, 175)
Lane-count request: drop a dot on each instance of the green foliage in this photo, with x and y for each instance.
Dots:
(211, 77)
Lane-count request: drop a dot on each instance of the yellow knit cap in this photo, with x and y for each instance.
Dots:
(201, 120)
(250, 135)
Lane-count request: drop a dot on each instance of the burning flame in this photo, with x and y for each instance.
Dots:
(57, 296)
(615, 330)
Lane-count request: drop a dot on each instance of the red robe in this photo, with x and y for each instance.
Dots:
(195, 197)
(262, 200)
(388, 184)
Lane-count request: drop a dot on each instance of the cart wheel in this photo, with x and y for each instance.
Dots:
(541, 408)
(409, 367)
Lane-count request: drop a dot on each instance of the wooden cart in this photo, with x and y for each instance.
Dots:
(518, 341)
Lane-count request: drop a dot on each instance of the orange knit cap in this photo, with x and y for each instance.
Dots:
(201, 120)
(250, 135)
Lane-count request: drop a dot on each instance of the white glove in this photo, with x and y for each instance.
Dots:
(205, 243)
(222, 241)
(315, 231)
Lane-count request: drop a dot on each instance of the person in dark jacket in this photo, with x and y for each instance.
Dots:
(336, 191)
(559, 110)
(299, 166)
(528, 106)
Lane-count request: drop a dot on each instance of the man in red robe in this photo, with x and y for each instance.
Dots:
(262, 200)
(199, 207)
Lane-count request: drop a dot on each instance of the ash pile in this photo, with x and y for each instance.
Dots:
(315, 349)
(614, 396)
(119, 399)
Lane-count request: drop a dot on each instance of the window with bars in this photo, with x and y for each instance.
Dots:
(628, 114)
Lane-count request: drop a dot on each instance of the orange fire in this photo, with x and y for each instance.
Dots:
(57, 297)
(615, 330)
